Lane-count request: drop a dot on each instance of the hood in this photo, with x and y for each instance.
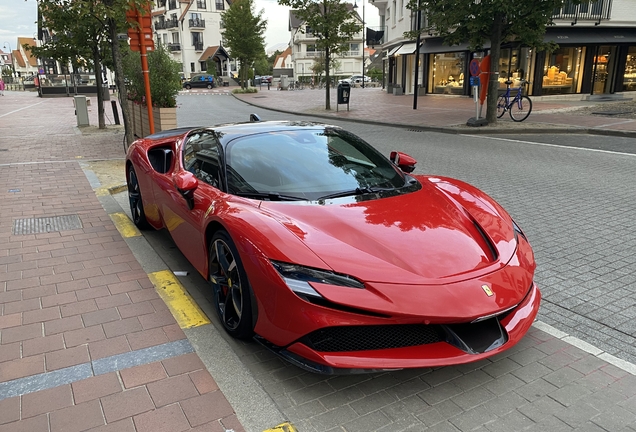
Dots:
(423, 237)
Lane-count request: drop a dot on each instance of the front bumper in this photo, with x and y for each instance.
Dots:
(456, 344)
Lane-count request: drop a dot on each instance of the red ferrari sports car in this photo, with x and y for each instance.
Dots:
(332, 255)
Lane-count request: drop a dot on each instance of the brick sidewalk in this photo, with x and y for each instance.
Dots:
(86, 343)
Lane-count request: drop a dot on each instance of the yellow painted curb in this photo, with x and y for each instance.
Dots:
(124, 225)
(184, 309)
(283, 427)
(117, 189)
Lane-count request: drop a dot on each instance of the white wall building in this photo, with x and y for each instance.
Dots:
(192, 31)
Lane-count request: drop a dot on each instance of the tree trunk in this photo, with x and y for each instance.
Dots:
(493, 80)
(97, 65)
(327, 79)
(120, 81)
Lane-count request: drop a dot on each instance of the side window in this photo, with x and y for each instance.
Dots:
(201, 157)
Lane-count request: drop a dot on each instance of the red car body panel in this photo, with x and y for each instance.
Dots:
(424, 258)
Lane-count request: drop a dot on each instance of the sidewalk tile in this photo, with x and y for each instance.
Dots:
(42, 345)
(41, 315)
(203, 381)
(96, 387)
(45, 401)
(122, 327)
(143, 374)
(83, 336)
(182, 364)
(126, 404)
(33, 424)
(147, 338)
(67, 357)
(125, 425)
(206, 408)
(9, 410)
(63, 324)
(171, 390)
(77, 418)
(166, 419)
(22, 333)
(108, 347)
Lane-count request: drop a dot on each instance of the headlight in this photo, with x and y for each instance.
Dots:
(298, 277)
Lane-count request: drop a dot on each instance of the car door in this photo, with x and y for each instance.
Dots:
(185, 218)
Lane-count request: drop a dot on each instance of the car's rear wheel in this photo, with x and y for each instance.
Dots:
(188, 86)
(232, 293)
(136, 202)
(209, 86)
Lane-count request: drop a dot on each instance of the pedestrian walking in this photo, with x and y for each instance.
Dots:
(1, 87)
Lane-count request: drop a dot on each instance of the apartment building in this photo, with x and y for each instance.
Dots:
(193, 33)
(596, 54)
(304, 52)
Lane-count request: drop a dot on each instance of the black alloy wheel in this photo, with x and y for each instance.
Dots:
(232, 294)
(136, 202)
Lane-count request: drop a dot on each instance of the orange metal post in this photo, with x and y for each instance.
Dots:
(144, 70)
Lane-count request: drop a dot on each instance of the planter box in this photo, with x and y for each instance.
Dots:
(164, 118)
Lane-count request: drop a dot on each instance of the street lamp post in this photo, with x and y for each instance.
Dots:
(10, 54)
(355, 6)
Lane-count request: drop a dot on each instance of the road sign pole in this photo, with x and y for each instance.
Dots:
(475, 83)
(144, 70)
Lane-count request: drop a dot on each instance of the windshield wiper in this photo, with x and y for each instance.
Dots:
(356, 191)
(272, 196)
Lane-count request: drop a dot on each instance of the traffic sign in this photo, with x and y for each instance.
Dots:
(474, 81)
(474, 67)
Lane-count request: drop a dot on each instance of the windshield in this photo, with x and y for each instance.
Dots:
(308, 164)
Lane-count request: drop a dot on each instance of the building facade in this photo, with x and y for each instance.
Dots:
(596, 54)
(192, 31)
(305, 54)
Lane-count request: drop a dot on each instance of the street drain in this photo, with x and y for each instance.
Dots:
(46, 224)
(4, 149)
(612, 113)
(415, 130)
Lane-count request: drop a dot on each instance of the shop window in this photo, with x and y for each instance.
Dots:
(447, 73)
(515, 64)
(563, 70)
(629, 82)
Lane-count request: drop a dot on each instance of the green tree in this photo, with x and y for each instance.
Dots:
(165, 81)
(334, 24)
(497, 21)
(244, 35)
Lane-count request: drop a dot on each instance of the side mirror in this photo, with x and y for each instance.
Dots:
(186, 184)
(405, 162)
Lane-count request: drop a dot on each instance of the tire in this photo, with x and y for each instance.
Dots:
(501, 106)
(188, 86)
(209, 86)
(135, 200)
(230, 287)
(520, 110)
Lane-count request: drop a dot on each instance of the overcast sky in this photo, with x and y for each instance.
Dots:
(18, 19)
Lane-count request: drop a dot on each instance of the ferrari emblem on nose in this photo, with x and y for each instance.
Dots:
(487, 290)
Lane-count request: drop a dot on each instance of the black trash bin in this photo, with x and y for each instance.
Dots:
(344, 91)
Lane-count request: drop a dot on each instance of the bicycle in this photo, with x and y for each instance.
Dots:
(519, 107)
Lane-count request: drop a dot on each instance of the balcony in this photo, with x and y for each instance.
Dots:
(201, 4)
(351, 54)
(375, 36)
(172, 23)
(198, 46)
(174, 47)
(160, 25)
(599, 11)
(197, 22)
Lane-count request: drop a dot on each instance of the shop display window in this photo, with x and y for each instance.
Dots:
(629, 81)
(447, 73)
(563, 71)
(514, 65)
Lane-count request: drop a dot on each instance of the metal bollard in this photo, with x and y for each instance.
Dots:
(115, 112)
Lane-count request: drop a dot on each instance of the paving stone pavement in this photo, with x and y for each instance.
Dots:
(79, 296)
(76, 308)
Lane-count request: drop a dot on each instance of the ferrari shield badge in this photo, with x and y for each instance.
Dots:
(487, 290)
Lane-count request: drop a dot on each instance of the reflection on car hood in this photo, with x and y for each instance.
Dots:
(417, 238)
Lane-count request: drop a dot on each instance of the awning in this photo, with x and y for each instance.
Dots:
(393, 50)
(407, 48)
(437, 45)
(581, 36)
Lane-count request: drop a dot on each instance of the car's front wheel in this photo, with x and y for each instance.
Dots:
(232, 293)
(188, 86)
(209, 86)
(135, 200)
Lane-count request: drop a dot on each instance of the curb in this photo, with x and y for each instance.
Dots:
(457, 131)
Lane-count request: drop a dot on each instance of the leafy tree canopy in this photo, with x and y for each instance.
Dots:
(244, 34)
(334, 24)
(497, 21)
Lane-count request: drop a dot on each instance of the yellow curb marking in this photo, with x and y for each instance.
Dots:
(124, 225)
(183, 307)
(283, 427)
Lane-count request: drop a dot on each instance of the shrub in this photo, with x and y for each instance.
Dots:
(245, 90)
(165, 80)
